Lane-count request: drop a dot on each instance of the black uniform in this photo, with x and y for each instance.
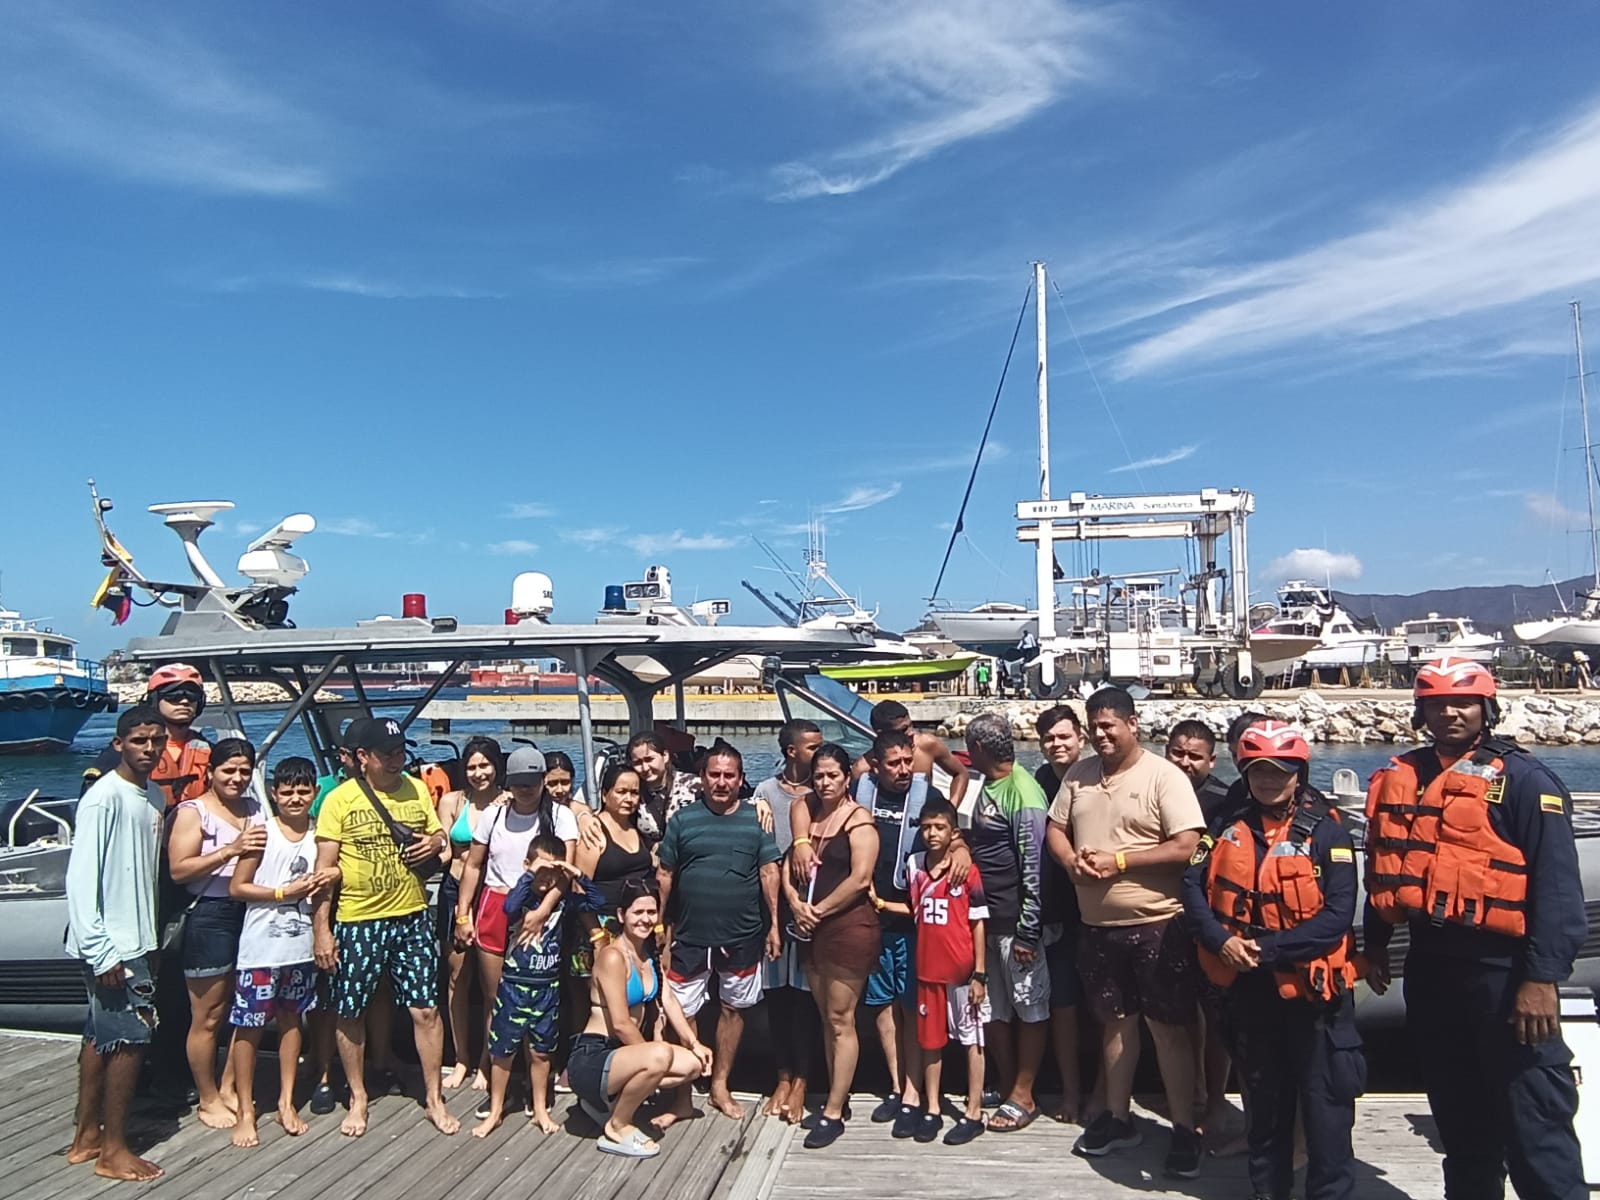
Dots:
(1497, 1103)
(1292, 1053)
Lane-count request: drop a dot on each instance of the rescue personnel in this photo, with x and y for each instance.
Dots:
(1470, 841)
(184, 772)
(1270, 895)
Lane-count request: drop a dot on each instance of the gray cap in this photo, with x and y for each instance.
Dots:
(526, 765)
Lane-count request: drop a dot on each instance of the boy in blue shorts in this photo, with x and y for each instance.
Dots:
(527, 1006)
(276, 981)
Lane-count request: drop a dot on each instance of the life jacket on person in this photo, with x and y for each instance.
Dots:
(1431, 847)
(186, 774)
(436, 778)
(1279, 894)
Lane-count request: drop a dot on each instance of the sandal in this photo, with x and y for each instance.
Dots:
(635, 1145)
(1019, 1118)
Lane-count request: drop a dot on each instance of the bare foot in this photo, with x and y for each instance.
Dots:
(726, 1105)
(488, 1125)
(455, 1077)
(355, 1121)
(480, 1082)
(230, 1100)
(218, 1116)
(85, 1151)
(678, 1112)
(1067, 1112)
(244, 1133)
(441, 1118)
(774, 1103)
(794, 1103)
(127, 1165)
(293, 1124)
(543, 1120)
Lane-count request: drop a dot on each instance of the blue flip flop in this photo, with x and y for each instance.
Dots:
(635, 1145)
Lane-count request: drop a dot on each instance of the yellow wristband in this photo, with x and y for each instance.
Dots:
(880, 903)
(596, 936)
(660, 929)
(801, 841)
(277, 893)
(460, 920)
(1122, 861)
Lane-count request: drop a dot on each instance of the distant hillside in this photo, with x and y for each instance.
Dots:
(1491, 608)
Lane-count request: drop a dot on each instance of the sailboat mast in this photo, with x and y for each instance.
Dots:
(1046, 562)
(1588, 442)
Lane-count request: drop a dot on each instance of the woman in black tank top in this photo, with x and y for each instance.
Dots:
(625, 855)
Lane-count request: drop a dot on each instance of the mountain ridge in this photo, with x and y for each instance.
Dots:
(1492, 609)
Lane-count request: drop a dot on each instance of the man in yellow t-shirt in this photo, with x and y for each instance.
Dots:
(384, 926)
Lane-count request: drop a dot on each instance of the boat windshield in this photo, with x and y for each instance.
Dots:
(20, 647)
(843, 716)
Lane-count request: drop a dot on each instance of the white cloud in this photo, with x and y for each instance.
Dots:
(1544, 507)
(527, 512)
(378, 288)
(148, 103)
(930, 74)
(353, 527)
(591, 537)
(513, 547)
(666, 543)
(613, 273)
(862, 497)
(1520, 229)
(1157, 460)
(247, 528)
(1315, 564)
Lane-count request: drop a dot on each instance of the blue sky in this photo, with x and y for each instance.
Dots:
(490, 286)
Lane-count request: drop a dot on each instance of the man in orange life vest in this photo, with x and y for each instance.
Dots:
(1470, 841)
(1270, 895)
(183, 773)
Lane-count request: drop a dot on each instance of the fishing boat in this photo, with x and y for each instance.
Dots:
(47, 693)
(923, 670)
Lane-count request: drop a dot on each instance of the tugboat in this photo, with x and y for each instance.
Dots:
(47, 692)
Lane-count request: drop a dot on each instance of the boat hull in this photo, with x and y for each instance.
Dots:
(923, 670)
(1571, 633)
(987, 633)
(46, 719)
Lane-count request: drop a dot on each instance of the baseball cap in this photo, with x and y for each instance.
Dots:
(351, 737)
(381, 735)
(525, 766)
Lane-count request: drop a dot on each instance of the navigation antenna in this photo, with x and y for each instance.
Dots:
(1588, 443)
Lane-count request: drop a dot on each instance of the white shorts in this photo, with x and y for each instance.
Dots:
(737, 969)
(1016, 990)
(966, 1026)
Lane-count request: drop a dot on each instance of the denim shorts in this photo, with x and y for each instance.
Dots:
(589, 1068)
(211, 937)
(125, 1015)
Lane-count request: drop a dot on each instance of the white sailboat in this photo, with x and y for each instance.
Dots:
(1567, 631)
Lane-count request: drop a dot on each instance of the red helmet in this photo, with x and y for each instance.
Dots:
(174, 673)
(1276, 742)
(1452, 676)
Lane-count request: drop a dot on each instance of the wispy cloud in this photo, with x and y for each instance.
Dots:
(962, 461)
(862, 497)
(929, 74)
(1548, 509)
(666, 543)
(607, 274)
(149, 103)
(1313, 563)
(527, 511)
(512, 547)
(591, 537)
(378, 288)
(1519, 229)
(1157, 460)
(354, 527)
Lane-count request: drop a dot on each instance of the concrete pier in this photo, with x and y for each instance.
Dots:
(730, 714)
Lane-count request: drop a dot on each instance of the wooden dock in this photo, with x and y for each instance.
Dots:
(710, 1159)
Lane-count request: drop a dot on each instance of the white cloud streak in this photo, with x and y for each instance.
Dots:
(591, 537)
(527, 511)
(862, 497)
(667, 543)
(1521, 228)
(1549, 510)
(1315, 564)
(1157, 460)
(934, 73)
(513, 547)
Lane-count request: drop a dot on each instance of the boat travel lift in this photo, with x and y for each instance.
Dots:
(243, 635)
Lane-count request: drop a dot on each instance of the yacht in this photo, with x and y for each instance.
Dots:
(47, 693)
(1309, 609)
(993, 628)
(1415, 642)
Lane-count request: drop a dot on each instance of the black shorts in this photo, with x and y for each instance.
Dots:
(1140, 969)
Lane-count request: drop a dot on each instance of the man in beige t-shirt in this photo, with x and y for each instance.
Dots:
(1124, 825)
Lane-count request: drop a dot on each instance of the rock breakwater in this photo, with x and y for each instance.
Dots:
(1531, 720)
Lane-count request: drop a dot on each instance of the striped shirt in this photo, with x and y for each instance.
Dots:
(716, 862)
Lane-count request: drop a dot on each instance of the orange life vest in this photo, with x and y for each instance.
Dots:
(187, 774)
(436, 779)
(1432, 850)
(1280, 894)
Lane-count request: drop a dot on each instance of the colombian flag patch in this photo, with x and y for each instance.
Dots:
(1551, 804)
(1341, 854)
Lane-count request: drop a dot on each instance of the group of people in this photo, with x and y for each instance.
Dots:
(1010, 912)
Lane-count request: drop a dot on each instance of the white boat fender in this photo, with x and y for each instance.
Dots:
(910, 820)
(1580, 1029)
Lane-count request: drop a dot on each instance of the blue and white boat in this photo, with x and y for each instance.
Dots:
(47, 692)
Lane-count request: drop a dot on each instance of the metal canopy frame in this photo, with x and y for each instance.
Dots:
(302, 661)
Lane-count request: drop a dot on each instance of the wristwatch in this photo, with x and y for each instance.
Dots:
(981, 977)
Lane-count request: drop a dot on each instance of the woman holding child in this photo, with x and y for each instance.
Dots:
(208, 836)
(836, 915)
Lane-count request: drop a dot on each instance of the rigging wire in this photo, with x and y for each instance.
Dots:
(1095, 379)
(961, 514)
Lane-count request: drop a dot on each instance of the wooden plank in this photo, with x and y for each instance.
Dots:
(753, 1175)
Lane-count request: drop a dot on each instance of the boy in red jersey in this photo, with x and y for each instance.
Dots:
(952, 999)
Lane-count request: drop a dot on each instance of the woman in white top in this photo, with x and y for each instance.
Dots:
(499, 849)
(208, 835)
